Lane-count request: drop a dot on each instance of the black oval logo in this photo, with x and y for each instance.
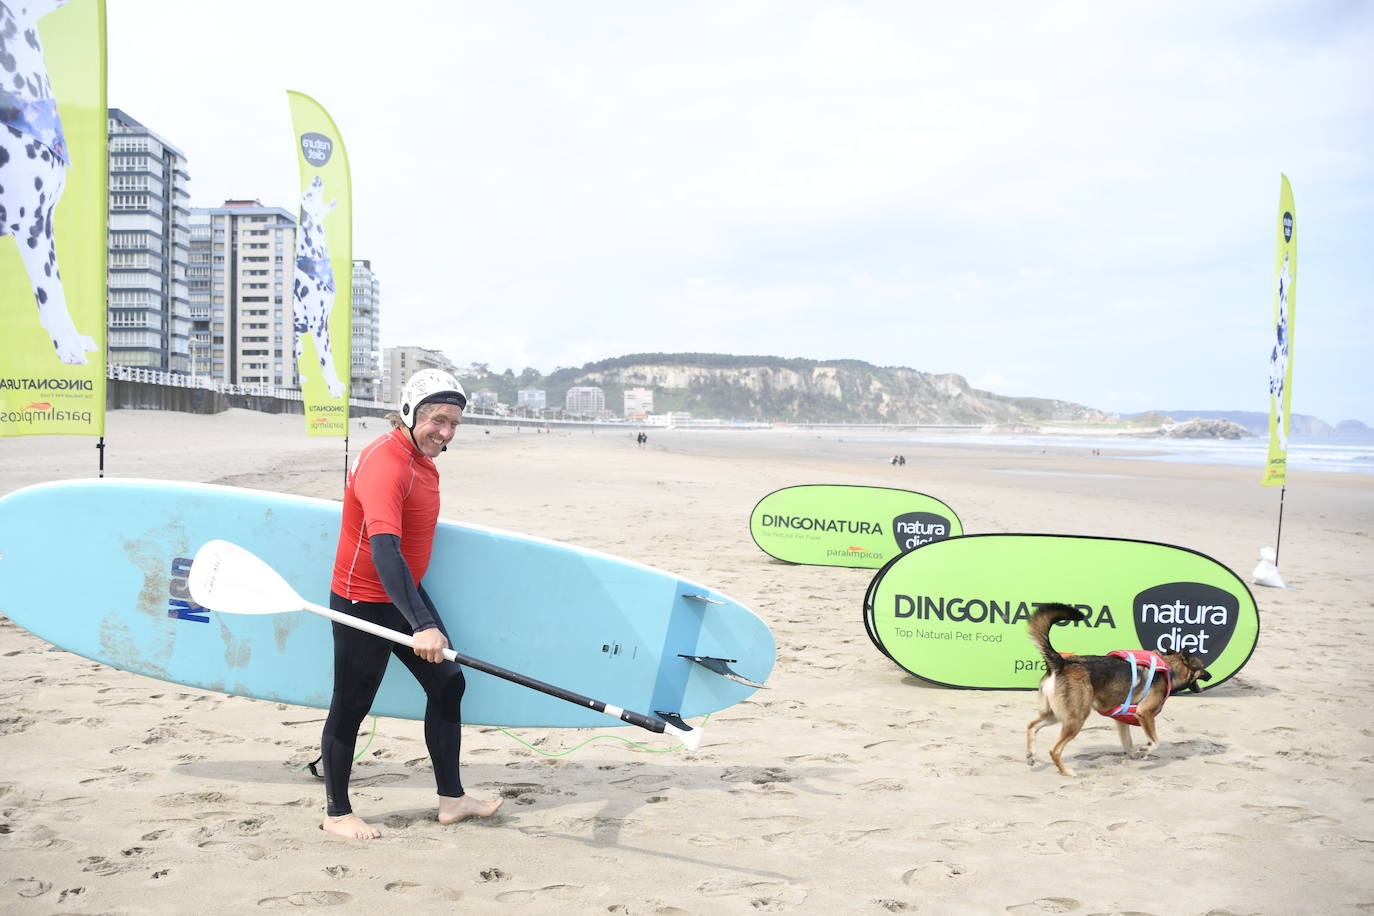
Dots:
(316, 148)
(1287, 227)
(1186, 617)
(912, 529)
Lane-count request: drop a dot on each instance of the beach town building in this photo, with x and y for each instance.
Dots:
(670, 419)
(241, 287)
(367, 333)
(485, 400)
(530, 401)
(639, 403)
(400, 363)
(585, 401)
(149, 309)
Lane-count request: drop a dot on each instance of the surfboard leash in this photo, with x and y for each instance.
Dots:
(578, 747)
(311, 766)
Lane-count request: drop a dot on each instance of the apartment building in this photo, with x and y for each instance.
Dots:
(400, 363)
(639, 403)
(148, 302)
(367, 333)
(531, 401)
(242, 260)
(585, 401)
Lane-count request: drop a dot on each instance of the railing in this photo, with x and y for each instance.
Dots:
(141, 375)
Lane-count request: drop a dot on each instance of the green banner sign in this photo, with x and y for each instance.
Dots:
(1281, 356)
(841, 525)
(53, 214)
(322, 291)
(955, 611)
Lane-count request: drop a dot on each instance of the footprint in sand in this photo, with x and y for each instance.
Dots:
(759, 776)
(552, 893)
(307, 898)
(117, 777)
(104, 867)
(192, 799)
(1288, 814)
(37, 836)
(521, 793)
(14, 724)
(423, 891)
(935, 873)
(761, 896)
(251, 852)
(379, 779)
(1047, 905)
(27, 887)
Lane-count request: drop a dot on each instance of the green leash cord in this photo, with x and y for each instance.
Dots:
(316, 773)
(634, 744)
(576, 747)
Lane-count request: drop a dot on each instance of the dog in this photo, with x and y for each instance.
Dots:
(33, 169)
(1074, 686)
(313, 289)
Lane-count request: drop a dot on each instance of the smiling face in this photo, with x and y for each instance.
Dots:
(435, 426)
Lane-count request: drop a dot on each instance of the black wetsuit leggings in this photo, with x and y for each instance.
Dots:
(359, 662)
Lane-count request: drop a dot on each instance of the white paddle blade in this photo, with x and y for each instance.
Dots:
(226, 578)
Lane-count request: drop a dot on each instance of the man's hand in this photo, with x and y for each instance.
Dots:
(430, 644)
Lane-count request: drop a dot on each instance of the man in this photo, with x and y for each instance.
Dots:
(391, 508)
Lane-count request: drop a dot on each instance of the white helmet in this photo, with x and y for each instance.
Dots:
(429, 386)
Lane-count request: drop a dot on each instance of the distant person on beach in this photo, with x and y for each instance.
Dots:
(390, 512)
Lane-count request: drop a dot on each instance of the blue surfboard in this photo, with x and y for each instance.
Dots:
(99, 568)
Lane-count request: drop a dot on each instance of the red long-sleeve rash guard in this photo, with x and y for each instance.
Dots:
(393, 489)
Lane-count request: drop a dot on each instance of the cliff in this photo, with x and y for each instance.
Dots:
(769, 388)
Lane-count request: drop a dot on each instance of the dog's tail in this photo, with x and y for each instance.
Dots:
(1041, 621)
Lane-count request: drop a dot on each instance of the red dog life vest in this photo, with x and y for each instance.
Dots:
(1140, 658)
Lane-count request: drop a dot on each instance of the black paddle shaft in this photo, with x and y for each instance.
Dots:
(634, 718)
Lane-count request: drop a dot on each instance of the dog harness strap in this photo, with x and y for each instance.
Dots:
(1140, 658)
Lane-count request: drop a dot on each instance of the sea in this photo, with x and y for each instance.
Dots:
(1348, 456)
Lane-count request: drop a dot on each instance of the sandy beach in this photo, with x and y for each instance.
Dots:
(847, 786)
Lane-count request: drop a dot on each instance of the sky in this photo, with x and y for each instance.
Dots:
(1072, 200)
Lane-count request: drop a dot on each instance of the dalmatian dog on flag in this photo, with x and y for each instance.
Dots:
(314, 285)
(33, 169)
(1278, 357)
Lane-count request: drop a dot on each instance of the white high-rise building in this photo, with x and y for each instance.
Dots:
(149, 305)
(367, 333)
(586, 401)
(243, 270)
(639, 402)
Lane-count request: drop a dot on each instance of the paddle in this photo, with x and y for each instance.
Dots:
(229, 579)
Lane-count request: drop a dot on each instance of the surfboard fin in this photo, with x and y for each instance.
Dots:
(705, 599)
(722, 667)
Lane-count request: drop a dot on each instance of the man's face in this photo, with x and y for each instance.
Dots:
(435, 426)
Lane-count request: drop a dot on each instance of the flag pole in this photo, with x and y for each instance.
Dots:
(1278, 537)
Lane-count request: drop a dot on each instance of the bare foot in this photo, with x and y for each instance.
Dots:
(351, 827)
(453, 810)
